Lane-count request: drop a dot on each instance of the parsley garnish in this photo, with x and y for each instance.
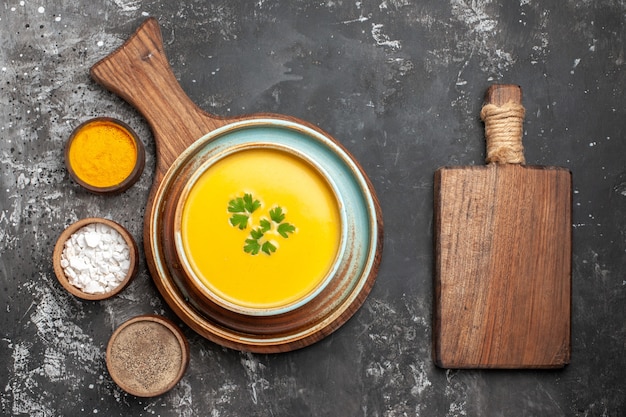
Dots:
(277, 214)
(285, 228)
(239, 220)
(268, 248)
(265, 225)
(250, 204)
(236, 205)
(242, 207)
(257, 233)
(252, 246)
(257, 241)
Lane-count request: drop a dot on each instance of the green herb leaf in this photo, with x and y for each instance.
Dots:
(257, 233)
(285, 228)
(242, 208)
(265, 225)
(268, 247)
(236, 205)
(250, 204)
(239, 220)
(277, 214)
(252, 246)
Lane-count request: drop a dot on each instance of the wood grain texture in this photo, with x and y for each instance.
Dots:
(503, 267)
(139, 72)
(500, 94)
(502, 296)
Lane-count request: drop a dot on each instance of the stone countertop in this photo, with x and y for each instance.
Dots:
(400, 85)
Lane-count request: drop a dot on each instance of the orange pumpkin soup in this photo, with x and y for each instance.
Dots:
(261, 228)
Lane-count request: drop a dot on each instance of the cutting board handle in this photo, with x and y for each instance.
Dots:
(503, 115)
(139, 72)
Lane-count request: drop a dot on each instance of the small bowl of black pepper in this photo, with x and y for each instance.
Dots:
(95, 258)
(147, 355)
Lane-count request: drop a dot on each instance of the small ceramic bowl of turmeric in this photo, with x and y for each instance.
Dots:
(104, 155)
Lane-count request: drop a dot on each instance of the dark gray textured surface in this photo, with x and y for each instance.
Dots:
(400, 84)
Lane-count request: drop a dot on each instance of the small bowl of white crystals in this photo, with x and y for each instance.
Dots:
(95, 258)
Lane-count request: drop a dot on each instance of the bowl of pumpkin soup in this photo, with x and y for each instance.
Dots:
(259, 229)
(264, 235)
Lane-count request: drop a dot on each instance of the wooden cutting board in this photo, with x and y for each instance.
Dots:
(139, 72)
(502, 294)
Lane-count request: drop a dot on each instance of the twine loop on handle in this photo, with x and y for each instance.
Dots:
(503, 132)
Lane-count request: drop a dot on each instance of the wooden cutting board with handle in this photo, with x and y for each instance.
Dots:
(502, 294)
(184, 135)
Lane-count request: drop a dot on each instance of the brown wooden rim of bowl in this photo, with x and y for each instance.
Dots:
(73, 228)
(131, 179)
(169, 325)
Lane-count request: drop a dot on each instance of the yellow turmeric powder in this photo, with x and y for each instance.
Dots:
(102, 153)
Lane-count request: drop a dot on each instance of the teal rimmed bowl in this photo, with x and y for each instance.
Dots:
(258, 281)
(306, 319)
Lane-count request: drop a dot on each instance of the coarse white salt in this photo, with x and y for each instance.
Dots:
(96, 258)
